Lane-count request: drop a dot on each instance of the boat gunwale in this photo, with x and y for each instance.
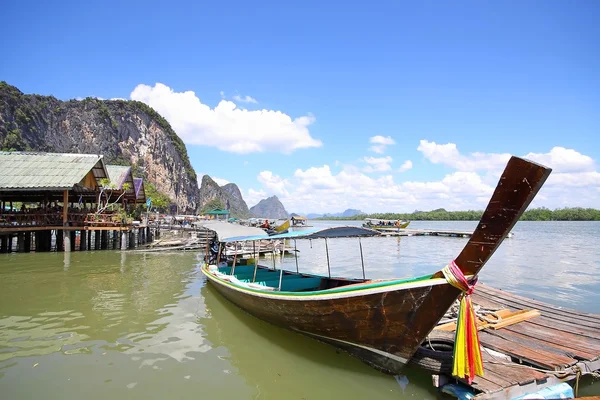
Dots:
(334, 293)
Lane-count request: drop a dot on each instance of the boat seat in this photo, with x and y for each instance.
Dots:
(293, 285)
(238, 268)
(270, 279)
(260, 275)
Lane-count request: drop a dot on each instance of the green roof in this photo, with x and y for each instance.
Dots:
(47, 171)
(217, 211)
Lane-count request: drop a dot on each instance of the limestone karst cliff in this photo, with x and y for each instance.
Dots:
(125, 132)
(269, 208)
(228, 194)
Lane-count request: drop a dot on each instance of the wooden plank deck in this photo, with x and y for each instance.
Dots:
(559, 340)
(391, 231)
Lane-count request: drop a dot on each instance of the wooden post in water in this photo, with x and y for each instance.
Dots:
(20, 242)
(60, 244)
(206, 258)
(66, 236)
(123, 240)
(72, 235)
(4, 244)
(27, 247)
(327, 251)
(37, 240)
(132, 239)
(362, 261)
(83, 240)
(104, 240)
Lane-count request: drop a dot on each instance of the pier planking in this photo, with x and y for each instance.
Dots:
(556, 344)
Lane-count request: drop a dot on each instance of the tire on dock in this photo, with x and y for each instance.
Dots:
(435, 354)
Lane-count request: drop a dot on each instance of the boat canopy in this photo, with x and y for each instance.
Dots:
(336, 232)
(225, 230)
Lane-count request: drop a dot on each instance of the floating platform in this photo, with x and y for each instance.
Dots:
(557, 346)
(427, 232)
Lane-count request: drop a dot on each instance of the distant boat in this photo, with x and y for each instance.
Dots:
(383, 224)
(382, 322)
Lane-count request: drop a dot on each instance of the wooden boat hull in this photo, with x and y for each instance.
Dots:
(382, 326)
(387, 227)
(382, 322)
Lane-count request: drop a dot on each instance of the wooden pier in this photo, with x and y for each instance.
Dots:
(73, 238)
(391, 231)
(559, 345)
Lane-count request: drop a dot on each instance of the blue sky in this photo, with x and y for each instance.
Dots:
(288, 96)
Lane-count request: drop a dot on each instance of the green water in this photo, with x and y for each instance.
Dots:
(125, 325)
(122, 325)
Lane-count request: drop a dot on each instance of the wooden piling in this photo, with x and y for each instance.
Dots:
(4, 244)
(60, 245)
(104, 240)
(83, 240)
(27, 247)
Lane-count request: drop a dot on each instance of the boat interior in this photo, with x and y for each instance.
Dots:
(290, 282)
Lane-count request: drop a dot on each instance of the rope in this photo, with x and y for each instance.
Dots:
(467, 351)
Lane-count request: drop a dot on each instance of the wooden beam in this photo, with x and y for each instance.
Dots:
(65, 206)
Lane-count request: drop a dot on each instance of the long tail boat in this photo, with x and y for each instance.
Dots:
(382, 322)
(384, 224)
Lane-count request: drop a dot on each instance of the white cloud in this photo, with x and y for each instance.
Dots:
(405, 166)
(377, 164)
(245, 99)
(226, 126)
(252, 197)
(448, 154)
(380, 142)
(564, 160)
(273, 183)
(220, 181)
(385, 140)
(575, 181)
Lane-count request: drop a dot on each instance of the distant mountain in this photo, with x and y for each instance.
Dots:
(236, 201)
(348, 213)
(228, 194)
(269, 208)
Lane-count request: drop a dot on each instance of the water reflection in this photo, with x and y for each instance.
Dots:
(276, 361)
(133, 325)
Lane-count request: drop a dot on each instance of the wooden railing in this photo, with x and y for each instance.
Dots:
(13, 219)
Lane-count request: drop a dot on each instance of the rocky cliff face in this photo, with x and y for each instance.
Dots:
(236, 201)
(269, 208)
(228, 195)
(125, 132)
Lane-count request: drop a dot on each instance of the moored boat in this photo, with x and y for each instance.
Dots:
(384, 224)
(382, 322)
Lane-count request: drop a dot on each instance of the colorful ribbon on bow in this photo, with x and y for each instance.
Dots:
(467, 351)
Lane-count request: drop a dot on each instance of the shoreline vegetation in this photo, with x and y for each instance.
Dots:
(535, 214)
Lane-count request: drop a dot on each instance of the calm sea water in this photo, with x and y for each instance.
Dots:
(126, 325)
